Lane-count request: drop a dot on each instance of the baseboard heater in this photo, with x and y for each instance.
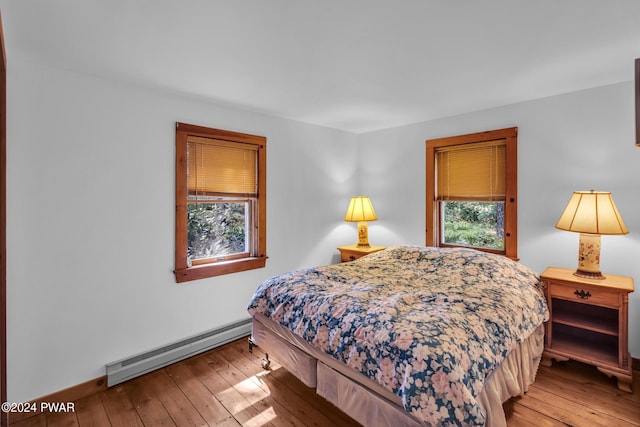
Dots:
(134, 366)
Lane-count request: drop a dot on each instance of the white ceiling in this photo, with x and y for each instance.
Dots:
(356, 65)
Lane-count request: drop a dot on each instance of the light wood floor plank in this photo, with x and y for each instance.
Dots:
(608, 400)
(269, 398)
(119, 408)
(521, 416)
(91, 412)
(591, 379)
(173, 399)
(248, 410)
(205, 403)
(567, 411)
(62, 419)
(39, 420)
(147, 404)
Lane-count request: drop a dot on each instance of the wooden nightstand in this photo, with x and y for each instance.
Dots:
(589, 322)
(353, 252)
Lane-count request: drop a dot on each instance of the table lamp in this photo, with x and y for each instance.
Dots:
(360, 211)
(591, 213)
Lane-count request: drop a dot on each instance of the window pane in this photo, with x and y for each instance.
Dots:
(473, 224)
(216, 228)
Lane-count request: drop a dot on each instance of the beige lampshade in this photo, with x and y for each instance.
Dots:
(592, 212)
(360, 209)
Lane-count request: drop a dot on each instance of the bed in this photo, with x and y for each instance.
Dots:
(409, 335)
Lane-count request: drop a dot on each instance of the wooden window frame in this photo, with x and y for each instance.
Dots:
(257, 259)
(433, 226)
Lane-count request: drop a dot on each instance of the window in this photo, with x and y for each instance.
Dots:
(472, 191)
(220, 202)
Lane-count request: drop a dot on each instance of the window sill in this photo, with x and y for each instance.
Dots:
(219, 268)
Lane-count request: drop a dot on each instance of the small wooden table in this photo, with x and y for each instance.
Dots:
(589, 322)
(353, 252)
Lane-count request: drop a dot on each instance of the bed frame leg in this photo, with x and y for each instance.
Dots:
(266, 363)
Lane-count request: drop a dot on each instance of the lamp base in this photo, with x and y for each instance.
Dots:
(589, 257)
(595, 275)
(363, 234)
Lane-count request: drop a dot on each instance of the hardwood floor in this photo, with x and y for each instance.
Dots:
(228, 387)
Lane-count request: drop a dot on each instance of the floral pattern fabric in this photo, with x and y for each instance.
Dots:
(429, 324)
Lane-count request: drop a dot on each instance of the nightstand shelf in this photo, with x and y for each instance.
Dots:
(586, 347)
(596, 319)
(589, 322)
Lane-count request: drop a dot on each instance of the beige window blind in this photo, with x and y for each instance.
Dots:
(471, 172)
(221, 168)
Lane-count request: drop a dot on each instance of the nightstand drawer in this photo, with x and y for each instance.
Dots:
(353, 252)
(584, 295)
(346, 256)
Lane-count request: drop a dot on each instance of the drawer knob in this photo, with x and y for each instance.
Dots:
(582, 294)
(352, 257)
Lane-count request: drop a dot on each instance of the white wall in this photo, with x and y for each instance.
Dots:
(91, 208)
(90, 221)
(579, 141)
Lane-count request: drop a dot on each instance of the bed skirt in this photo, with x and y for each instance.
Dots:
(369, 403)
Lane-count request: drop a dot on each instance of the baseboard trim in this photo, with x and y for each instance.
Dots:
(70, 394)
(635, 365)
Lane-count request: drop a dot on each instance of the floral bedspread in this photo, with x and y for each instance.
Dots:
(429, 324)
